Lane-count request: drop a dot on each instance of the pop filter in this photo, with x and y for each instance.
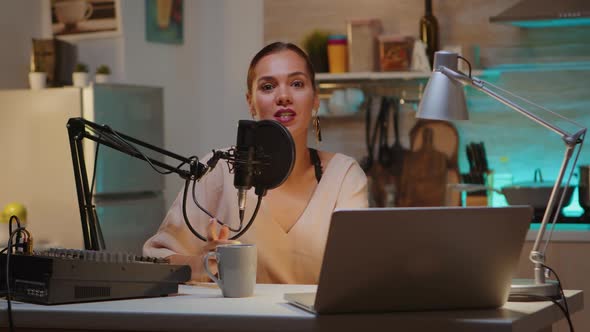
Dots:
(264, 158)
(275, 142)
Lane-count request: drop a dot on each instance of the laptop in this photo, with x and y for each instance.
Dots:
(414, 259)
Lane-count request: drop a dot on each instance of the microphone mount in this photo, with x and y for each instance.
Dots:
(231, 158)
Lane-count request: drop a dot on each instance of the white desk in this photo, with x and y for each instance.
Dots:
(201, 308)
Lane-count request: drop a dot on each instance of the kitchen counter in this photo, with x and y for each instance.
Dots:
(563, 232)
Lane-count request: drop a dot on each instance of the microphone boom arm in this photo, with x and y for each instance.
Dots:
(270, 141)
(77, 131)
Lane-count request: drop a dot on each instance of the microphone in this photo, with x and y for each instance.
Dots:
(244, 164)
(264, 158)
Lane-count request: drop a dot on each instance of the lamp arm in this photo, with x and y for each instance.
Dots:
(479, 84)
(557, 194)
(555, 200)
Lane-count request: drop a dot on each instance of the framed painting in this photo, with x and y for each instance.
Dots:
(80, 19)
(164, 21)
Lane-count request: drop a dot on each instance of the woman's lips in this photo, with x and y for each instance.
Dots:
(284, 116)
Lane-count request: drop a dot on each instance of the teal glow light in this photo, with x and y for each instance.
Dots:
(565, 227)
(561, 22)
(551, 66)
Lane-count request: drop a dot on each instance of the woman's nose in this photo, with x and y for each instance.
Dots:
(284, 97)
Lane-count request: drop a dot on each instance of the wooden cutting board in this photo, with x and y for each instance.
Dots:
(446, 140)
(424, 175)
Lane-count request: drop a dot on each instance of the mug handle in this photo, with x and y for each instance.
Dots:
(206, 265)
(89, 10)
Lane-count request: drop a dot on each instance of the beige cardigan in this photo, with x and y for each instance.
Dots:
(283, 257)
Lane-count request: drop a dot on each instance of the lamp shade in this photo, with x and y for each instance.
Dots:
(443, 99)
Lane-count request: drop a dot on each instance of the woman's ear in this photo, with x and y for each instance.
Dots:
(251, 105)
(316, 101)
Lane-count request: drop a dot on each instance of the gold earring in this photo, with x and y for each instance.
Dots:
(317, 128)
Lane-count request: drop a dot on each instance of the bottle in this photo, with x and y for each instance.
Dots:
(337, 54)
(429, 31)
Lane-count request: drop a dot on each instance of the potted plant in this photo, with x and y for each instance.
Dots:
(37, 78)
(102, 74)
(316, 45)
(80, 75)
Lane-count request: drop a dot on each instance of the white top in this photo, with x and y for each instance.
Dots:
(294, 256)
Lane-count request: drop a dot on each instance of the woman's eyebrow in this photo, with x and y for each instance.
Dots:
(265, 78)
(271, 78)
(297, 73)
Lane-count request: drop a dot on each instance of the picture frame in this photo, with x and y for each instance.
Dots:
(164, 21)
(73, 20)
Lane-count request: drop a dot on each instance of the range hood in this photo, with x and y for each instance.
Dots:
(546, 13)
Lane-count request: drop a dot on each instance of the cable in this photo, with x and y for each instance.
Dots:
(124, 145)
(10, 227)
(560, 287)
(251, 219)
(94, 167)
(6, 248)
(221, 223)
(468, 63)
(201, 207)
(564, 118)
(186, 221)
(565, 308)
(545, 298)
(129, 148)
(143, 155)
(8, 253)
(240, 230)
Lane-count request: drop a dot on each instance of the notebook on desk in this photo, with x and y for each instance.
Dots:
(411, 259)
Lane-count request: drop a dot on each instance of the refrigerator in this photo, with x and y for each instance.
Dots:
(36, 165)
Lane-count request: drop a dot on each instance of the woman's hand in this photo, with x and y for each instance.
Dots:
(214, 239)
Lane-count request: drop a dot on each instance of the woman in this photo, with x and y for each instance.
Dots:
(291, 226)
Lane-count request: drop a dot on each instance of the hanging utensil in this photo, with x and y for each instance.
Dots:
(397, 150)
(370, 136)
(384, 154)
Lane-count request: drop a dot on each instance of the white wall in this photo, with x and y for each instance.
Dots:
(203, 79)
(20, 21)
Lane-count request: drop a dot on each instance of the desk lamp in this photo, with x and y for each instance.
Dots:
(444, 99)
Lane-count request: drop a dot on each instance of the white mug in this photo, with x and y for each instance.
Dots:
(73, 11)
(237, 269)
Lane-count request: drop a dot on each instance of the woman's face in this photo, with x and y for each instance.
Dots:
(282, 90)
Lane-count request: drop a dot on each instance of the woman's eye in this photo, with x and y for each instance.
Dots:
(266, 87)
(297, 84)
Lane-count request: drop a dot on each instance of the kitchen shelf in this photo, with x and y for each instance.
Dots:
(377, 76)
(358, 76)
(404, 84)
